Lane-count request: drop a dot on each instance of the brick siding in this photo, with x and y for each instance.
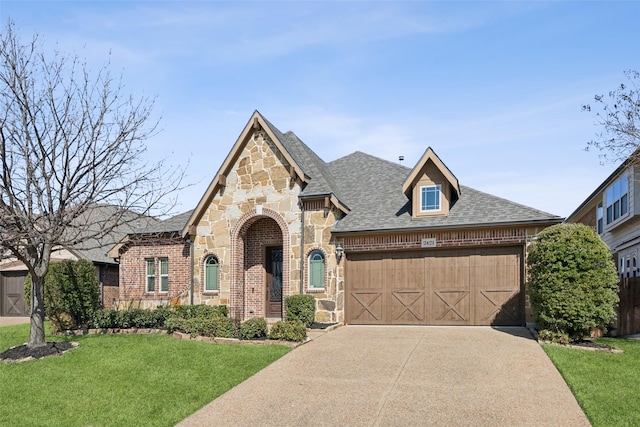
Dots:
(133, 271)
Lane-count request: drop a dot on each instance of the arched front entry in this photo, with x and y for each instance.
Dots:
(261, 266)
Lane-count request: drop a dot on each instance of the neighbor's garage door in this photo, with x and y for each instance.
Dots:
(438, 287)
(12, 301)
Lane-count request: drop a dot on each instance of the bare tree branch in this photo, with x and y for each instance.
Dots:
(618, 115)
(71, 143)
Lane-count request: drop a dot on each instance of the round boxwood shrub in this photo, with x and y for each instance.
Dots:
(573, 281)
(301, 308)
(254, 328)
(288, 331)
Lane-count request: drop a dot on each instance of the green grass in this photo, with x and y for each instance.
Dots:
(607, 386)
(122, 380)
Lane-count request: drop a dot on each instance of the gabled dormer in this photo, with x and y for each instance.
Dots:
(431, 187)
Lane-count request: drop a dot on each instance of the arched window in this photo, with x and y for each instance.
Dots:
(211, 274)
(316, 270)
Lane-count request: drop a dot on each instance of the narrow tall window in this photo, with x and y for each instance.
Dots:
(164, 275)
(316, 270)
(600, 216)
(430, 198)
(211, 274)
(151, 274)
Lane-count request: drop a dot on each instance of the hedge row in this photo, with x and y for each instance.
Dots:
(197, 320)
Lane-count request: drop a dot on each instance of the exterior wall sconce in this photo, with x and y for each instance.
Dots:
(339, 251)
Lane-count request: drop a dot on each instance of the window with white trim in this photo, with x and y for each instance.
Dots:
(211, 274)
(430, 198)
(617, 198)
(164, 274)
(150, 274)
(600, 218)
(316, 270)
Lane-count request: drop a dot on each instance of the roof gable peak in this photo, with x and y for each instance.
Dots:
(430, 155)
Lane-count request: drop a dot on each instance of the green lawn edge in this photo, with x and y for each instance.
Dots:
(605, 384)
(122, 380)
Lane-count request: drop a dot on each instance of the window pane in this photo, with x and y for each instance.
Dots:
(164, 266)
(616, 209)
(430, 198)
(624, 184)
(609, 196)
(616, 190)
(211, 275)
(623, 205)
(609, 214)
(316, 270)
(151, 267)
(151, 283)
(164, 284)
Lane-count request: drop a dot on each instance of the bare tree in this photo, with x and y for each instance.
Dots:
(618, 115)
(70, 140)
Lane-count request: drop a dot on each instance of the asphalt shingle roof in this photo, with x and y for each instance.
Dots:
(175, 224)
(312, 165)
(372, 188)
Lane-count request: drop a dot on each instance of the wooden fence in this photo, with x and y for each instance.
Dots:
(629, 308)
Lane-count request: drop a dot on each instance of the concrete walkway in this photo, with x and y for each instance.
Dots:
(403, 376)
(8, 321)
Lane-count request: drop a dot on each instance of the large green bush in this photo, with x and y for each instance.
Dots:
(71, 294)
(573, 281)
(288, 331)
(301, 308)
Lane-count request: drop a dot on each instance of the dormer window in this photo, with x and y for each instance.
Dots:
(430, 198)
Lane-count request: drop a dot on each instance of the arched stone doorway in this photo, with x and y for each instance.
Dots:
(260, 277)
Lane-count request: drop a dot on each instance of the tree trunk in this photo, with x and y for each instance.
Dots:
(36, 334)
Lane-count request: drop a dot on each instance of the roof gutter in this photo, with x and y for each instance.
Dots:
(558, 220)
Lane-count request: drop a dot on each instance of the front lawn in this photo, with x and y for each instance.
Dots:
(122, 380)
(606, 385)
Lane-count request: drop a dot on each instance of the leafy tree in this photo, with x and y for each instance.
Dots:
(618, 114)
(573, 281)
(71, 294)
(70, 141)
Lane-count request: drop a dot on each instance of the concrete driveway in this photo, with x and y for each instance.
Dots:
(403, 376)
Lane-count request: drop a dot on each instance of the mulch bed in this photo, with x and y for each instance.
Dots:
(23, 353)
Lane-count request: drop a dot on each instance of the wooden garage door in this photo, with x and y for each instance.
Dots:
(440, 287)
(12, 301)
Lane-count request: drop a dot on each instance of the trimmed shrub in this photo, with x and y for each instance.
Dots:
(200, 310)
(573, 282)
(288, 331)
(71, 294)
(253, 328)
(301, 308)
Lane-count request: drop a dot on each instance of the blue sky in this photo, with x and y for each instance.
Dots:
(495, 88)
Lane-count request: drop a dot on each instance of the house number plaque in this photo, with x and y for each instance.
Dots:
(429, 243)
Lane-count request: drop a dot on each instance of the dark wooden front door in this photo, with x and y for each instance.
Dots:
(273, 285)
(12, 301)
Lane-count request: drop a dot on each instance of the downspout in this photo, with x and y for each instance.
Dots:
(302, 247)
(190, 240)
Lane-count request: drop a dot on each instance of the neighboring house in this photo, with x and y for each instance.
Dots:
(14, 272)
(155, 264)
(613, 210)
(375, 242)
